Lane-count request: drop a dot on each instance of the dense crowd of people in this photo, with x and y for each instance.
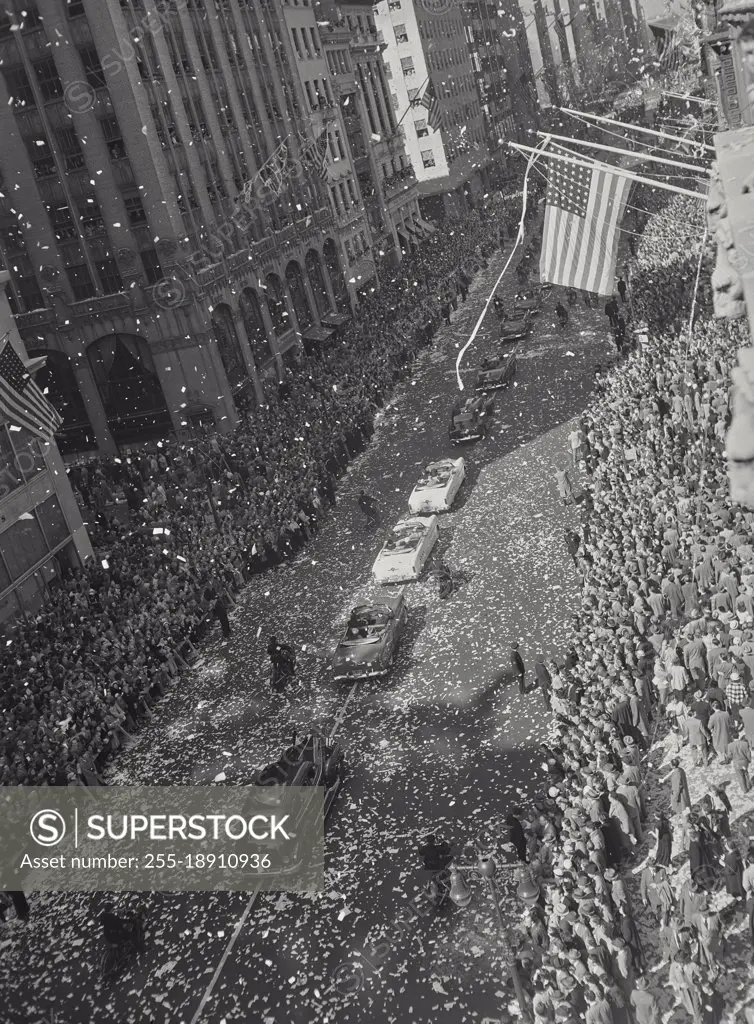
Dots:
(177, 528)
(663, 652)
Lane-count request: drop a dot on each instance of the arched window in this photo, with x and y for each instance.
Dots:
(281, 320)
(131, 392)
(230, 348)
(295, 280)
(251, 312)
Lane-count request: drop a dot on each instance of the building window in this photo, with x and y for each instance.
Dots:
(95, 76)
(10, 474)
(135, 210)
(23, 546)
(29, 292)
(152, 267)
(394, 5)
(388, 70)
(407, 65)
(55, 528)
(47, 76)
(82, 285)
(28, 453)
(19, 88)
(428, 158)
(109, 277)
(421, 128)
(401, 35)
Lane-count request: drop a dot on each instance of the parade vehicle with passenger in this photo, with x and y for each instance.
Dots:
(371, 639)
(470, 419)
(438, 486)
(517, 325)
(310, 760)
(496, 371)
(406, 550)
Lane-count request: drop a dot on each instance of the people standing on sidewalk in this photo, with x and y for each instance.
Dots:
(518, 667)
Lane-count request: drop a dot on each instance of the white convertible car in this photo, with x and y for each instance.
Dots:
(406, 550)
(438, 487)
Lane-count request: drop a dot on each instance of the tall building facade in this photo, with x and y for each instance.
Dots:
(130, 129)
(373, 141)
(427, 48)
(503, 69)
(41, 530)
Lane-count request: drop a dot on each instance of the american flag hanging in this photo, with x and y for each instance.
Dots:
(21, 399)
(584, 206)
(435, 111)
(314, 155)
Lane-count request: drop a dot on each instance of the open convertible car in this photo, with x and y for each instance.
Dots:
(495, 372)
(516, 326)
(371, 639)
(438, 486)
(406, 550)
(470, 419)
(309, 761)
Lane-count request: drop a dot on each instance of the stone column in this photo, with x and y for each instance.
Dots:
(94, 407)
(248, 355)
(269, 330)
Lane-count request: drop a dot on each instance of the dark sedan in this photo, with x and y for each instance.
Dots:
(470, 419)
(515, 326)
(495, 372)
(371, 640)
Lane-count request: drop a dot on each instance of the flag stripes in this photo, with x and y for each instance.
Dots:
(584, 207)
(435, 110)
(21, 399)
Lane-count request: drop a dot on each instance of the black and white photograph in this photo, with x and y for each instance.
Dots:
(376, 512)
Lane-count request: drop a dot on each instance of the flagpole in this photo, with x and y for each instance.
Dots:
(634, 127)
(624, 152)
(411, 103)
(619, 171)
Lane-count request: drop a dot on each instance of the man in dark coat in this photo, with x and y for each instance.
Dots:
(220, 612)
(518, 667)
(20, 904)
(517, 836)
(622, 289)
(544, 679)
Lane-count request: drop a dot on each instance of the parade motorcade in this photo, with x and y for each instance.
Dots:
(371, 639)
(310, 761)
(470, 419)
(517, 325)
(406, 550)
(437, 488)
(495, 372)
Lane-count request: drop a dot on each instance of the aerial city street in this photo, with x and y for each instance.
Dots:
(376, 442)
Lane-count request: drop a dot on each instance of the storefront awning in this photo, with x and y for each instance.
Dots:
(315, 333)
(334, 319)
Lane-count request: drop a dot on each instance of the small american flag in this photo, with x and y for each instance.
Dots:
(584, 206)
(21, 400)
(436, 113)
(314, 155)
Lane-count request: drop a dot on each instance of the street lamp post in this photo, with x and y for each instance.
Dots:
(461, 895)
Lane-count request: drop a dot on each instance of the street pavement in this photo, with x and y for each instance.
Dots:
(445, 744)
